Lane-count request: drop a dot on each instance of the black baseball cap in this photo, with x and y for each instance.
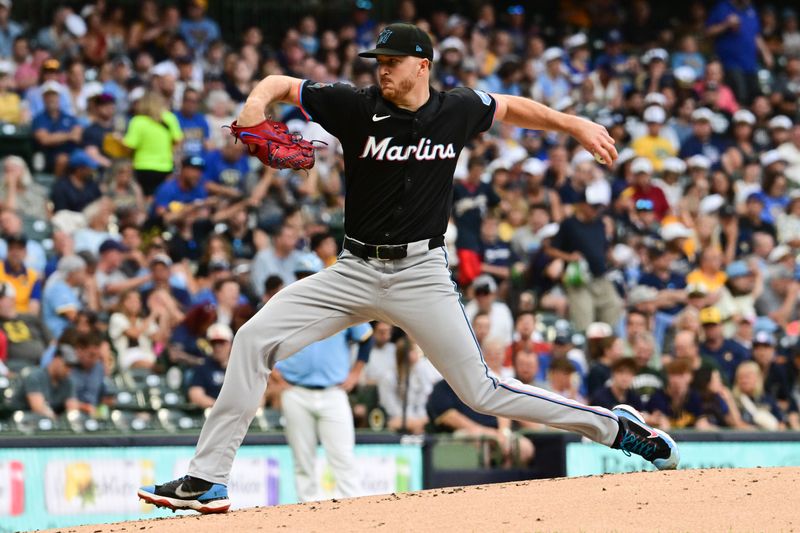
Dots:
(18, 239)
(402, 39)
(194, 161)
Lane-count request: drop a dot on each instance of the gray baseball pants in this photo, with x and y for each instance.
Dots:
(415, 293)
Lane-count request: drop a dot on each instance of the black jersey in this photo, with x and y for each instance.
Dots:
(398, 164)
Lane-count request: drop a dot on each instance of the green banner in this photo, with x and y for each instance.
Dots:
(58, 487)
(584, 459)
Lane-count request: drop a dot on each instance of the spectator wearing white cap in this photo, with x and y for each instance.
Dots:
(486, 301)
(653, 145)
(552, 85)
(779, 127)
(742, 149)
(790, 151)
(207, 379)
(656, 62)
(703, 140)
(642, 188)
(537, 193)
(670, 181)
(577, 46)
(55, 132)
(545, 272)
(582, 240)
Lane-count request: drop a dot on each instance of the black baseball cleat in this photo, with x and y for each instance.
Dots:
(188, 493)
(637, 437)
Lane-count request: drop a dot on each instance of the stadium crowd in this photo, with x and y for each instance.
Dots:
(139, 236)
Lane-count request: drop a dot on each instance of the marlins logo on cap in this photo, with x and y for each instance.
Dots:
(383, 38)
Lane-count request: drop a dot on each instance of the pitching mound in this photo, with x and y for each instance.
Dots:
(687, 500)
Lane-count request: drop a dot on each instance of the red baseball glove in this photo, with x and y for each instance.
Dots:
(273, 143)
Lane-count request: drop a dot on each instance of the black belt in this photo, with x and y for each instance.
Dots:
(310, 387)
(385, 251)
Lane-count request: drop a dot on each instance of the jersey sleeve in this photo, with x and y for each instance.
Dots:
(329, 104)
(478, 109)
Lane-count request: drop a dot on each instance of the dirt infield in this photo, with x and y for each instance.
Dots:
(765, 499)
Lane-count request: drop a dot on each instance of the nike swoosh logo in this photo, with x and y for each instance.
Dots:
(376, 118)
(653, 434)
(179, 492)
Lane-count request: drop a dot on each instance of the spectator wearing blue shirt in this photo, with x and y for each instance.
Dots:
(9, 30)
(198, 30)
(227, 169)
(472, 199)
(365, 26)
(497, 257)
(196, 133)
(552, 85)
(161, 275)
(703, 140)
(56, 133)
(60, 300)
(34, 97)
(671, 287)
(89, 374)
(505, 79)
(620, 388)
(689, 56)
(180, 197)
(315, 403)
(207, 379)
(78, 189)
(614, 56)
(773, 196)
(102, 124)
(736, 30)
(726, 353)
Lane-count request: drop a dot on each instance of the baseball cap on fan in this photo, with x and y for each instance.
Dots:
(401, 39)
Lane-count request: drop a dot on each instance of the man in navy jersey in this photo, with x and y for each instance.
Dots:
(400, 141)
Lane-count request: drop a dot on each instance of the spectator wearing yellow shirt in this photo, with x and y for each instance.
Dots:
(25, 281)
(710, 272)
(11, 109)
(653, 146)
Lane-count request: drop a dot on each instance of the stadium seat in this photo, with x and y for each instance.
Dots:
(174, 420)
(130, 421)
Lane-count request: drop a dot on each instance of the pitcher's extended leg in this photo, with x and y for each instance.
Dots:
(427, 307)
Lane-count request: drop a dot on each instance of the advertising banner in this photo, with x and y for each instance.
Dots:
(584, 459)
(57, 487)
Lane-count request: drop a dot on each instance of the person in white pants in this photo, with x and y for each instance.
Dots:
(315, 404)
